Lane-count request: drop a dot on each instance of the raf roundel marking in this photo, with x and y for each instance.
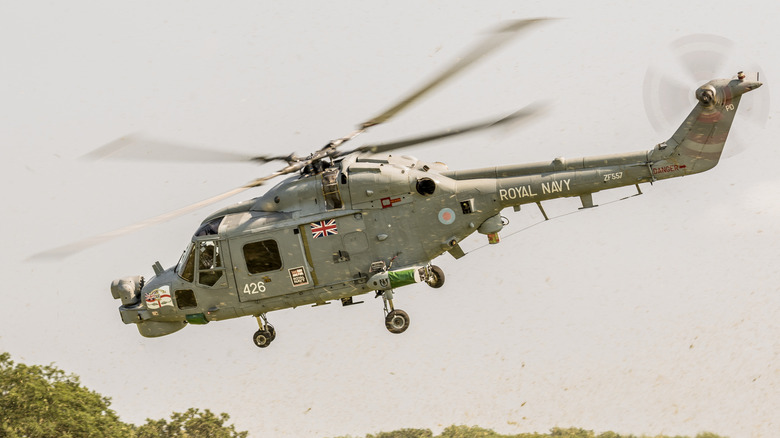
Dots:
(446, 216)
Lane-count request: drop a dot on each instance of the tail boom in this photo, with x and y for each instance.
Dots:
(695, 147)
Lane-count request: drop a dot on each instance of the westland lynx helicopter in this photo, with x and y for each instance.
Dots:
(343, 224)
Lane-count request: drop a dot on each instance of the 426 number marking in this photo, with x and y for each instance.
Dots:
(254, 288)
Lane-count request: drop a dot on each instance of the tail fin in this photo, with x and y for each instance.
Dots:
(698, 142)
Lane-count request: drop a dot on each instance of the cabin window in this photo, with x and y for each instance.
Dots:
(262, 256)
(210, 268)
(185, 299)
(186, 266)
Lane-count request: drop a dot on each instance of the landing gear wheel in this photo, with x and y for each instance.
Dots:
(272, 331)
(262, 338)
(437, 277)
(397, 321)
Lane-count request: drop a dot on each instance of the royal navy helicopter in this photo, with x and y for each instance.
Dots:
(347, 223)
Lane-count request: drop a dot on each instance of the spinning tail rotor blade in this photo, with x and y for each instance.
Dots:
(136, 147)
(523, 115)
(686, 64)
(701, 55)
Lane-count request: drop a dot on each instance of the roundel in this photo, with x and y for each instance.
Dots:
(446, 216)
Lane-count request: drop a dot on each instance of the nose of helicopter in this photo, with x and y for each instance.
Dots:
(128, 289)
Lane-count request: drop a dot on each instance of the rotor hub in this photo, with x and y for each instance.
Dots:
(706, 95)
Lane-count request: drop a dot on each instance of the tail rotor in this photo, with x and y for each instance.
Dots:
(684, 65)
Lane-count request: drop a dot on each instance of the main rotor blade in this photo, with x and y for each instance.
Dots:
(524, 115)
(136, 147)
(72, 248)
(495, 39)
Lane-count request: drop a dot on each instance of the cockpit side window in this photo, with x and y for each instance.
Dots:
(262, 256)
(186, 266)
(210, 268)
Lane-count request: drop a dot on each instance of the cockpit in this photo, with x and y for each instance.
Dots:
(204, 252)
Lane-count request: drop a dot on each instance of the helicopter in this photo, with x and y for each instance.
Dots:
(348, 223)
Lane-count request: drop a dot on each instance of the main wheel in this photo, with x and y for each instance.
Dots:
(262, 338)
(437, 280)
(272, 331)
(397, 321)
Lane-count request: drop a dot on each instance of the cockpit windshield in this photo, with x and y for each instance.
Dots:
(208, 255)
(186, 266)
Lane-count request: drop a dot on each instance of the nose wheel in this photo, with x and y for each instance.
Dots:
(263, 337)
(396, 320)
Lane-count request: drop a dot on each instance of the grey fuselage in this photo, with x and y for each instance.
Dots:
(332, 235)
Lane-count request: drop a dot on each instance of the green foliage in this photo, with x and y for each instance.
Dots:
(478, 432)
(42, 401)
(190, 424)
(404, 433)
(474, 432)
(571, 433)
(468, 432)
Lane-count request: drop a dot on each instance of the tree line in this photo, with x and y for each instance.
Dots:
(478, 432)
(43, 401)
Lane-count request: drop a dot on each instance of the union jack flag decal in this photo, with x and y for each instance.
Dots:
(324, 228)
(158, 298)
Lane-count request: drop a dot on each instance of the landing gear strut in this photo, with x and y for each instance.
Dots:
(396, 320)
(263, 337)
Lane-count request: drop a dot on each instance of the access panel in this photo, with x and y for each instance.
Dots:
(337, 248)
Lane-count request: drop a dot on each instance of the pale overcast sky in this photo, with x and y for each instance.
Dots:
(653, 315)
